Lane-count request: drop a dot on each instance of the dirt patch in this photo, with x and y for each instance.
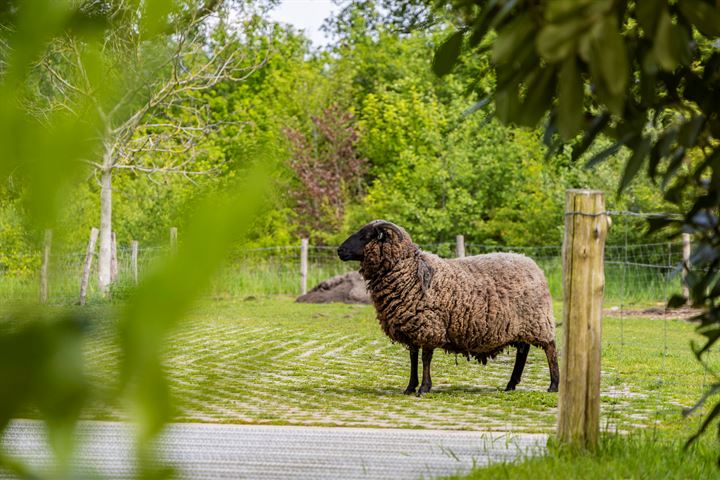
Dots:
(682, 313)
(347, 288)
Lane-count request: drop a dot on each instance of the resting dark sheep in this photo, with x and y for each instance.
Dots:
(475, 306)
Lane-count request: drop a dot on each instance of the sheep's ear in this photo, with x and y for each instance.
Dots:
(425, 274)
(380, 234)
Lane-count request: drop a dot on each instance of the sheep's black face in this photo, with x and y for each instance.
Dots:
(354, 247)
(378, 231)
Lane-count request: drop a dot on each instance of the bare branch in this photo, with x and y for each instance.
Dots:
(144, 169)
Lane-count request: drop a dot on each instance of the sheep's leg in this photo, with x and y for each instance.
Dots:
(426, 384)
(413, 371)
(551, 354)
(520, 359)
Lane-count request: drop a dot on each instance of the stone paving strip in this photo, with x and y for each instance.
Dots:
(213, 451)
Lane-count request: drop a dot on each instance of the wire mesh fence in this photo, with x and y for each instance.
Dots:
(635, 273)
(648, 371)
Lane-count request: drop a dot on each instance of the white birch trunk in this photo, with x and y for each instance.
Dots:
(105, 247)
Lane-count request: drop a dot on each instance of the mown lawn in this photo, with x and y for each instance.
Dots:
(267, 360)
(271, 361)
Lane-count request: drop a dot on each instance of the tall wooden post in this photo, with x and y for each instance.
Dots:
(173, 239)
(303, 265)
(586, 225)
(459, 246)
(133, 260)
(686, 265)
(87, 264)
(113, 258)
(44, 268)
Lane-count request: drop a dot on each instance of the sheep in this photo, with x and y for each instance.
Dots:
(475, 306)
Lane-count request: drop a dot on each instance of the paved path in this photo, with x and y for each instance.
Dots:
(215, 451)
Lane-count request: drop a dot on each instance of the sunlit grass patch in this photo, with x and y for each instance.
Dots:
(638, 455)
(270, 361)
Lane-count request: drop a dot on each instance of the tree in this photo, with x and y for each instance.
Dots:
(328, 168)
(159, 123)
(644, 74)
(42, 359)
(436, 169)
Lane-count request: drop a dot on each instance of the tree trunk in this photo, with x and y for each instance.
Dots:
(105, 248)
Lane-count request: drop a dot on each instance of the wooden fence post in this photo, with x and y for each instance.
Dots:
(686, 265)
(173, 239)
(45, 266)
(459, 246)
(586, 225)
(303, 265)
(113, 258)
(88, 264)
(133, 260)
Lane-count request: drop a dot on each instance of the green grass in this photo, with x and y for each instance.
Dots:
(637, 456)
(268, 360)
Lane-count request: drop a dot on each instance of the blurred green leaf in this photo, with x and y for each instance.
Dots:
(704, 16)
(513, 37)
(672, 43)
(164, 298)
(603, 155)
(570, 99)
(661, 149)
(507, 103)
(538, 97)
(41, 363)
(556, 41)
(634, 163)
(447, 54)
(647, 13)
(612, 55)
(648, 82)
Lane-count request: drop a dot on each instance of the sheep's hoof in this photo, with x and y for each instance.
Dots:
(423, 390)
(409, 390)
(510, 387)
(553, 388)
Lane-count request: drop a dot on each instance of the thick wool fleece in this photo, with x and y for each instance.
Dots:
(475, 306)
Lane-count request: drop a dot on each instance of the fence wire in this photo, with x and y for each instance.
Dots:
(648, 371)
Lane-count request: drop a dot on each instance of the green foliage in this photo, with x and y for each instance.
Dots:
(43, 361)
(644, 74)
(433, 167)
(16, 258)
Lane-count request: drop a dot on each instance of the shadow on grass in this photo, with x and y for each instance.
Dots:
(397, 391)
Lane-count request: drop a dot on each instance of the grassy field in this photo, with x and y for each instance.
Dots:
(268, 360)
(271, 361)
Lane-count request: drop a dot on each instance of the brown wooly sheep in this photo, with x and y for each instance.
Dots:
(476, 306)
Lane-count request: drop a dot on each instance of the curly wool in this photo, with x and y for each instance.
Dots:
(475, 306)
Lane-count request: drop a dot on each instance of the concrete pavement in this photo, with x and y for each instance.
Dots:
(213, 451)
